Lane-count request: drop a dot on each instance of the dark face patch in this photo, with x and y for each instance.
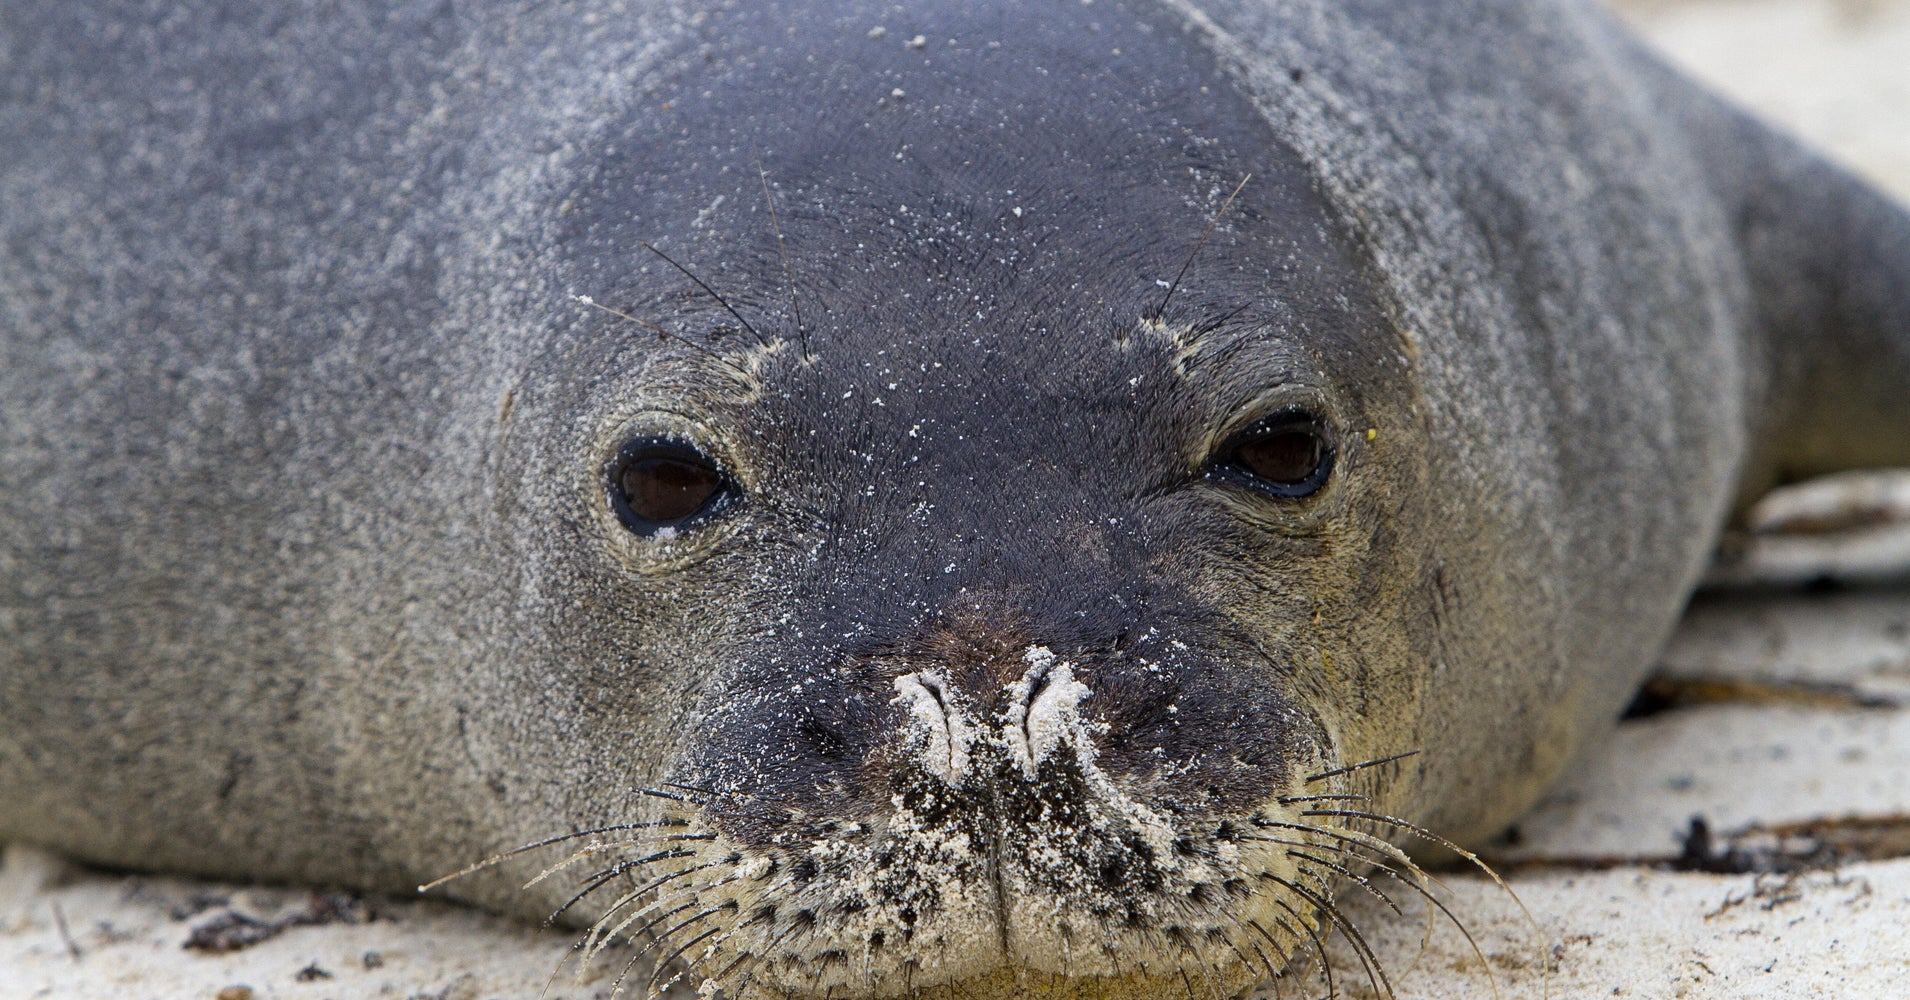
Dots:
(1016, 598)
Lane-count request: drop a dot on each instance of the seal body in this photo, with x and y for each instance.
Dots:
(1103, 428)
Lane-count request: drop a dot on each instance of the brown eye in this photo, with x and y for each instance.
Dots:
(1287, 458)
(659, 483)
(1286, 455)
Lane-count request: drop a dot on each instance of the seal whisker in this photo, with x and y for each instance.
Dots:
(1300, 855)
(1198, 353)
(1492, 980)
(1342, 851)
(693, 891)
(596, 881)
(815, 978)
(667, 335)
(1348, 839)
(664, 962)
(1361, 766)
(1428, 835)
(1374, 971)
(597, 937)
(1207, 326)
(1286, 956)
(1219, 355)
(1113, 957)
(1391, 860)
(657, 966)
(1476, 861)
(741, 956)
(1319, 944)
(1161, 310)
(1395, 861)
(789, 281)
(752, 958)
(1361, 880)
(1234, 946)
(1345, 834)
(1322, 897)
(598, 942)
(602, 878)
(616, 985)
(591, 944)
(1400, 859)
(1272, 972)
(711, 292)
(602, 932)
(546, 842)
(1291, 799)
(587, 851)
(672, 796)
(770, 946)
(559, 967)
(1209, 973)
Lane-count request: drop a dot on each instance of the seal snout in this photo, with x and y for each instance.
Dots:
(979, 800)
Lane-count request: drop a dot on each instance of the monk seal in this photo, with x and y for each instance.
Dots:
(959, 499)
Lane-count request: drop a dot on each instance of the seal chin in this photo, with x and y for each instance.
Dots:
(1005, 862)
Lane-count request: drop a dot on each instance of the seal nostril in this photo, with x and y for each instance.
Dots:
(1040, 670)
(937, 722)
(1043, 709)
(933, 685)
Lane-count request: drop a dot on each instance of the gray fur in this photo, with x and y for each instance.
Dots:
(301, 424)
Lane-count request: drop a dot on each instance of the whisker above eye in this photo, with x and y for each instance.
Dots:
(1161, 309)
(711, 292)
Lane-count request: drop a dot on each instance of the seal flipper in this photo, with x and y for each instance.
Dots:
(1826, 259)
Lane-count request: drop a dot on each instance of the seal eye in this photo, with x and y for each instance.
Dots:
(1286, 455)
(658, 484)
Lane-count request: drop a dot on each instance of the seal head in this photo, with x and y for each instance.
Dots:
(1034, 540)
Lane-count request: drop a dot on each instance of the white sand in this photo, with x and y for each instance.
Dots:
(1835, 72)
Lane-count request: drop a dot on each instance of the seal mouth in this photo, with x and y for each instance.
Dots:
(1004, 860)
